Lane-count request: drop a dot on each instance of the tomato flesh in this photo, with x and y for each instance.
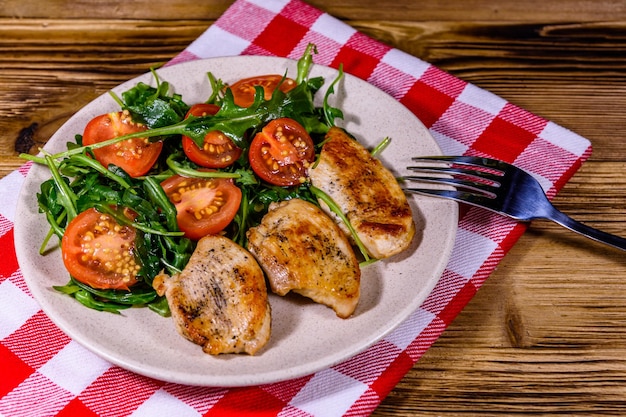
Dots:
(99, 252)
(281, 153)
(218, 150)
(135, 156)
(204, 206)
(244, 91)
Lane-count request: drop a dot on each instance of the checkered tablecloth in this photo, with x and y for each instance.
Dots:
(44, 373)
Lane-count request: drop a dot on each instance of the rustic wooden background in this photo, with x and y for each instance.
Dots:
(546, 333)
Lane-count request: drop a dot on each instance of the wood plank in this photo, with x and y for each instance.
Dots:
(535, 339)
(47, 68)
(470, 10)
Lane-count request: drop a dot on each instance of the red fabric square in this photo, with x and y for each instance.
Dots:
(456, 304)
(14, 371)
(392, 375)
(253, 402)
(511, 140)
(280, 36)
(76, 408)
(357, 63)
(8, 266)
(426, 102)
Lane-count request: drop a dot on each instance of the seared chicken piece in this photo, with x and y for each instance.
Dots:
(301, 249)
(367, 193)
(219, 301)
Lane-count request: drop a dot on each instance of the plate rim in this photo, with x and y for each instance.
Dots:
(267, 377)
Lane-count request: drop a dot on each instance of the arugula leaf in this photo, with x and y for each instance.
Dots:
(160, 246)
(153, 106)
(232, 120)
(332, 113)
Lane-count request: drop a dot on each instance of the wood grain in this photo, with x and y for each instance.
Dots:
(546, 334)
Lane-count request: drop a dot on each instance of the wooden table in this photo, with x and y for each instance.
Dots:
(547, 332)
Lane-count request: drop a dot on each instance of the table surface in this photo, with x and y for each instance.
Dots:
(547, 331)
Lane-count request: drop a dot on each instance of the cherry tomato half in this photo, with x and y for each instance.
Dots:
(243, 90)
(218, 150)
(99, 252)
(204, 206)
(135, 156)
(281, 152)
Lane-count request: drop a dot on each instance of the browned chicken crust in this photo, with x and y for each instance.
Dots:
(367, 193)
(302, 250)
(219, 301)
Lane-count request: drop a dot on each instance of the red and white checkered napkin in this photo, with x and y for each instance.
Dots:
(44, 373)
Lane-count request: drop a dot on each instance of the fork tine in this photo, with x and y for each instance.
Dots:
(470, 173)
(460, 196)
(466, 160)
(478, 187)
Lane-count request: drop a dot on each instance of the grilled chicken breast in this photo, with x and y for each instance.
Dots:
(302, 250)
(367, 193)
(219, 301)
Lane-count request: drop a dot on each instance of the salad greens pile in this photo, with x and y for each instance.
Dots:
(79, 182)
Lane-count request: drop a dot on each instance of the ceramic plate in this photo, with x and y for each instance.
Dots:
(306, 337)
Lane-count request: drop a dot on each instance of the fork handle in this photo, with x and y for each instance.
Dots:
(592, 233)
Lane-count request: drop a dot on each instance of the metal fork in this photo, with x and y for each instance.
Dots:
(499, 187)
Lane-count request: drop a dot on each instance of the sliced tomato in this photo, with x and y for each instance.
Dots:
(135, 156)
(281, 153)
(243, 90)
(99, 252)
(218, 150)
(204, 206)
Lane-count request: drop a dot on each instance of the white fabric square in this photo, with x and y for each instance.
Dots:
(328, 394)
(408, 331)
(35, 396)
(405, 63)
(333, 28)
(471, 250)
(16, 307)
(10, 188)
(448, 145)
(463, 121)
(272, 5)
(482, 99)
(564, 138)
(74, 368)
(164, 404)
(216, 42)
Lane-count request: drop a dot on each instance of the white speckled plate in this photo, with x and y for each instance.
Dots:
(306, 337)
